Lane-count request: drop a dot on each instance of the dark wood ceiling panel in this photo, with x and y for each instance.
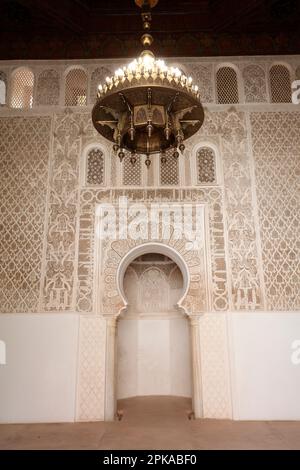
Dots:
(74, 29)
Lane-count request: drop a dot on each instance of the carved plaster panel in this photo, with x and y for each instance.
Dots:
(276, 150)
(231, 129)
(24, 154)
(91, 369)
(211, 197)
(215, 366)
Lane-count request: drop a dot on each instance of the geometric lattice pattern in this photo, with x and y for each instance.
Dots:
(24, 152)
(227, 86)
(131, 173)
(91, 369)
(76, 88)
(22, 88)
(95, 167)
(276, 148)
(214, 357)
(255, 84)
(206, 165)
(47, 90)
(280, 84)
(169, 171)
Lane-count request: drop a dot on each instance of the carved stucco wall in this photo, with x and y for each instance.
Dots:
(24, 156)
(228, 130)
(91, 368)
(71, 131)
(276, 150)
(152, 285)
(212, 197)
(216, 391)
(47, 231)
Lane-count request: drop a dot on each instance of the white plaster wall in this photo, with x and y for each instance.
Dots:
(38, 382)
(265, 382)
(154, 357)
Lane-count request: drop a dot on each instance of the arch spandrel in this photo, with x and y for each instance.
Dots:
(122, 252)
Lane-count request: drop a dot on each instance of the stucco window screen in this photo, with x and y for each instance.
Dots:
(22, 88)
(206, 166)
(76, 88)
(95, 167)
(227, 86)
(280, 84)
(132, 174)
(169, 171)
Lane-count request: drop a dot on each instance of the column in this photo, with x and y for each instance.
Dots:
(110, 375)
(196, 366)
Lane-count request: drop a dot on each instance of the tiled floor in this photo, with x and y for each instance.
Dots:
(153, 423)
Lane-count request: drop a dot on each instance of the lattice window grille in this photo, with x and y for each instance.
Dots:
(132, 174)
(227, 86)
(280, 84)
(22, 89)
(95, 167)
(2, 89)
(76, 88)
(169, 171)
(206, 166)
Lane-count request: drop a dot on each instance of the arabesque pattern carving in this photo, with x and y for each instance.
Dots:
(97, 77)
(212, 197)
(24, 153)
(72, 130)
(255, 84)
(202, 75)
(152, 285)
(196, 297)
(59, 278)
(276, 149)
(242, 249)
(47, 90)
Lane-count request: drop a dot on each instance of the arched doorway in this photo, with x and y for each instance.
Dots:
(111, 302)
(153, 334)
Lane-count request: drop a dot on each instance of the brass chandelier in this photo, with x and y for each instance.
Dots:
(147, 107)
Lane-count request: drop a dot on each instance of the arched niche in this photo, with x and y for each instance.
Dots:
(158, 248)
(153, 335)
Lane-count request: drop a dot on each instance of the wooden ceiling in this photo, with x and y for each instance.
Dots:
(78, 29)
